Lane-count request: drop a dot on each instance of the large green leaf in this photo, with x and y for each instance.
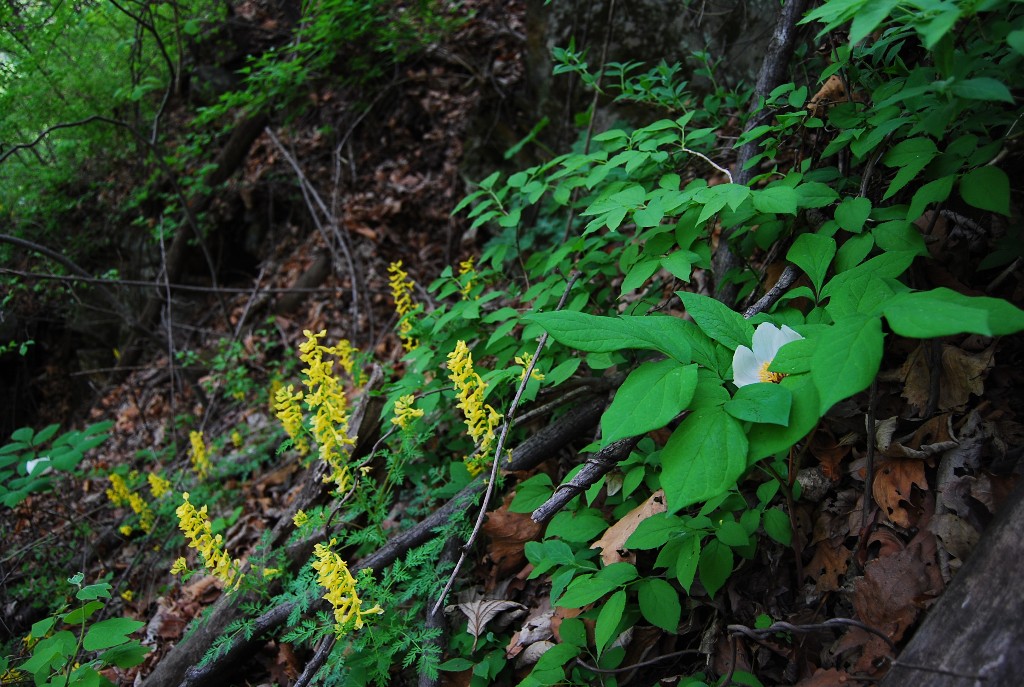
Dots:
(767, 440)
(780, 200)
(608, 620)
(659, 603)
(761, 403)
(651, 396)
(813, 254)
(598, 334)
(847, 358)
(717, 320)
(987, 188)
(704, 457)
(944, 312)
(110, 632)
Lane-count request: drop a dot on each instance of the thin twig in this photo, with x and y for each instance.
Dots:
(757, 634)
(85, 279)
(869, 456)
(635, 666)
(711, 162)
(509, 419)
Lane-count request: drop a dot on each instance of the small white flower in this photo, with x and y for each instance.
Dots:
(751, 366)
(43, 464)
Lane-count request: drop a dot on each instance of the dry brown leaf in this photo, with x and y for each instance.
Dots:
(829, 453)
(892, 486)
(613, 542)
(484, 611)
(828, 565)
(958, 536)
(826, 678)
(509, 533)
(961, 375)
(536, 628)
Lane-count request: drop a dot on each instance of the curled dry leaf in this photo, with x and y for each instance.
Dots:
(536, 628)
(613, 542)
(893, 482)
(533, 653)
(484, 611)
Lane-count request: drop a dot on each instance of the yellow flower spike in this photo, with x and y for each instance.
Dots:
(525, 360)
(158, 485)
(336, 579)
(196, 526)
(481, 419)
(126, 530)
(200, 461)
(119, 494)
(325, 398)
(142, 509)
(300, 518)
(467, 268)
(405, 414)
(127, 595)
(401, 291)
(290, 414)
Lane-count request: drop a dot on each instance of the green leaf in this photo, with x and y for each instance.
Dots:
(110, 632)
(813, 254)
(944, 312)
(586, 589)
(717, 320)
(987, 188)
(686, 563)
(100, 590)
(547, 554)
(1015, 39)
(911, 156)
(608, 620)
(456, 664)
(767, 440)
(654, 531)
(780, 200)
(83, 612)
(868, 18)
(125, 656)
(531, 493)
(661, 389)
(932, 192)
(704, 457)
(715, 566)
(577, 526)
(599, 334)
(899, 235)
(44, 434)
(731, 533)
(659, 603)
(777, 526)
(983, 88)
(852, 213)
(815, 194)
(847, 358)
(680, 264)
(761, 403)
(794, 357)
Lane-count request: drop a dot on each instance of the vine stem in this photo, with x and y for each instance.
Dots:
(509, 418)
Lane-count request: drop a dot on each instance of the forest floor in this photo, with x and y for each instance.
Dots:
(943, 419)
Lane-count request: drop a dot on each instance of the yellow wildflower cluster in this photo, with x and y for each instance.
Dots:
(525, 360)
(481, 419)
(300, 518)
(158, 485)
(326, 400)
(404, 412)
(120, 495)
(466, 267)
(401, 291)
(334, 576)
(290, 414)
(200, 461)
(196, 526)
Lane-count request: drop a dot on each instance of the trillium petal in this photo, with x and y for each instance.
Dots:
(768, 339)
(745, 366)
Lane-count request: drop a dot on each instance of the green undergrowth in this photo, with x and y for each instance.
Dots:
(610, 271)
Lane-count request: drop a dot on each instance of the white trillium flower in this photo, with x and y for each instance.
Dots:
(751, 366)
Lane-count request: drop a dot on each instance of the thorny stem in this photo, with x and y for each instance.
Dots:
(509, 418)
